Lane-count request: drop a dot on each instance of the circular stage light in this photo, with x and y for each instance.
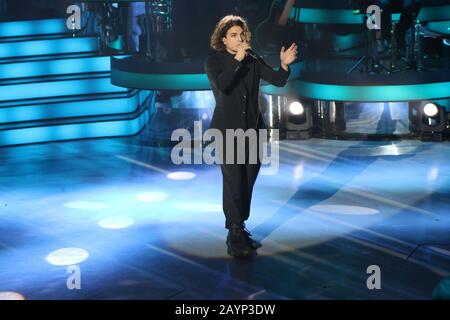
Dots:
(181, 175)
(86, 205)
(296, 108)
(8, 295)
(430, 110)
(152, 196)
(116, 222)
(67, 256)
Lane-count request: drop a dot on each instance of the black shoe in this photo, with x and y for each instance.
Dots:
(252, 243)
(237, 243)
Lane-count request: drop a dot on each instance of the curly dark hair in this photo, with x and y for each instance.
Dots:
(222, 27)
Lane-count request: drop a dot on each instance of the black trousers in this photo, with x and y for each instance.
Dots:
(238, 182)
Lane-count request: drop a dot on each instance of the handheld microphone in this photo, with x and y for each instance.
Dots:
(252, 54)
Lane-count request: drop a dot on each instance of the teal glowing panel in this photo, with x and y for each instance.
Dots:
(54, 67)
(48, 47)
(348, 16)
(332, 16)
(32, 27)
(440, 27)
(159, 81)
(321, 91)
(434, 13)
(58, 89)
(115, 128)
(83, 108)
(186, 82)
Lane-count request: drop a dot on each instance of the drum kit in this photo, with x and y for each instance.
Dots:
(158, 23)
(414, 55)
(161, 14)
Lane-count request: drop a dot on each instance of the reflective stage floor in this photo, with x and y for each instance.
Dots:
(118, 220)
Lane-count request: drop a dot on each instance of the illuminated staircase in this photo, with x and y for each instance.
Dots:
(55, 85)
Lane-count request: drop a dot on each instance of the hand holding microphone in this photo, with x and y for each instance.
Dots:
(244, 49)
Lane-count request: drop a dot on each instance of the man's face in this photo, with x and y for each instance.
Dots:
(234, 37)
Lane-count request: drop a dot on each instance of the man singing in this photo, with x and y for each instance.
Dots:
(234, 72)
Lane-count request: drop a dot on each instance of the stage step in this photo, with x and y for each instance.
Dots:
(32, 28)
(70, 129)
(54, 66)
(54, 86)
(48, 57)
(60, 108)
(37, 47)
(83, 85)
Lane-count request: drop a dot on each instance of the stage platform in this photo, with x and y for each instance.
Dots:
(137, 228)
(92, 205)
(319, 79)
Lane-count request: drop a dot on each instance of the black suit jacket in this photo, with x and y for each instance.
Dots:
(236, 89)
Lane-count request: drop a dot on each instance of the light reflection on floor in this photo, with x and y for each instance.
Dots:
(333, 209)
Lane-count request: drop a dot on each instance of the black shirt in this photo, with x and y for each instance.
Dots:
(235, 85)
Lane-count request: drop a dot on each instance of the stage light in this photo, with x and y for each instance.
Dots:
(296, 108)
(428, 120)
(67, 256)
(430, 110)
(181, 175)
(298, 118)
(116, 222)
(9, 295)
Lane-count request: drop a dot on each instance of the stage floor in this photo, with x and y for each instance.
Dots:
(333, 209)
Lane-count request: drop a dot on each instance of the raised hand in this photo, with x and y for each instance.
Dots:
(288, 56)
